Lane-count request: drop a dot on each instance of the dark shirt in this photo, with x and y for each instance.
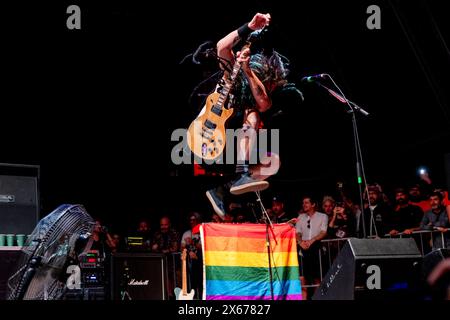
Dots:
(99, 245)
(167, 241)
(342, 228)
(432, 220)
(380, 214)
(104, 251)
(405, 218)
(281, 218)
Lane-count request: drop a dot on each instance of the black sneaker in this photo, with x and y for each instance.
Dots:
(216, 199)
(247, 184)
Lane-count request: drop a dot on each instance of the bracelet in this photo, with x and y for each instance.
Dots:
(244, 31)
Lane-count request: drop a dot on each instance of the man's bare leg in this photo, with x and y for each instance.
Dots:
(247, 143)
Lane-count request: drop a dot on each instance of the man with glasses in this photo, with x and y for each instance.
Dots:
(311, 227)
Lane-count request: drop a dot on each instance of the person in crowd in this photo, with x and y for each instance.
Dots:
(374, 214)
(166, 239)
(406, 217)
(278, 211)
(437, 220)
(311, 227)
(328, 204)
(341, 223)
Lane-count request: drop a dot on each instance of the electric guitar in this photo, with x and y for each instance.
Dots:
(182, 294)
(206, 134)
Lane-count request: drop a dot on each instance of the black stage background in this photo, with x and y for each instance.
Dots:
(96, 107)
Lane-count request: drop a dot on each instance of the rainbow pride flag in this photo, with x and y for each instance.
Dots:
(236, 263)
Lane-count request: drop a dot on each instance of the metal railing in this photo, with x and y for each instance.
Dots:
(330, 248)
(419, 237)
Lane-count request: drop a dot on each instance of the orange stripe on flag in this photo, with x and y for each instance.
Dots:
(249, 230)
(250, 244)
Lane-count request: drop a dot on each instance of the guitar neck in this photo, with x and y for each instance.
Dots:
(183, 279)
(229, 83)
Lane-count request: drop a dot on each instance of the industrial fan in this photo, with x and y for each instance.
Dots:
(41, 268)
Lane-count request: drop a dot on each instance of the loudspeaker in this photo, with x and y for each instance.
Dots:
(19, 198)
(139, 276)
(373, 269)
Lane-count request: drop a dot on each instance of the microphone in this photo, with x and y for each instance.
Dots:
(314, 77)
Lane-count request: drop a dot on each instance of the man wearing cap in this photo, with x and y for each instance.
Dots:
(375, 213)
(279, 214)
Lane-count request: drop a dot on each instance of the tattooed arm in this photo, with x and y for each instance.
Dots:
(263, 101)
(226, 44)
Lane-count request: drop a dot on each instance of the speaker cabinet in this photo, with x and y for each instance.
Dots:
(373, 269)
(19, 198)
(139, 276)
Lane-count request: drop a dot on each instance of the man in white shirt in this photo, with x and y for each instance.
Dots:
(311, 227)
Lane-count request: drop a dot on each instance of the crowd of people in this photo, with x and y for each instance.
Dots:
(401, 212)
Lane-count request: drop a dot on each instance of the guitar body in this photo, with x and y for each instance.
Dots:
(206, 135)
(180, 296)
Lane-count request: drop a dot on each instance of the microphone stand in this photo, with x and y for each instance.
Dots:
(360, 172)
(269, 226)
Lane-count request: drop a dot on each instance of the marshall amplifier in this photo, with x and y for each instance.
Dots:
(139, 276)
(19, 198)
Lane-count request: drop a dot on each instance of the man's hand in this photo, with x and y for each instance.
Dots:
(441, 229)
(304, 245)
(243, 57)
(259, 21)
(393, 232)
(408, 231)
(425, 177)
(193, 255)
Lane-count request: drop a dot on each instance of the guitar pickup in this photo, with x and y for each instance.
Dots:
(210, 125)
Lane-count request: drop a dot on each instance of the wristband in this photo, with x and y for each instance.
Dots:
(244, 31)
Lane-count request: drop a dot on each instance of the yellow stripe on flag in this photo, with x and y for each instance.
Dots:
(250, 259)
